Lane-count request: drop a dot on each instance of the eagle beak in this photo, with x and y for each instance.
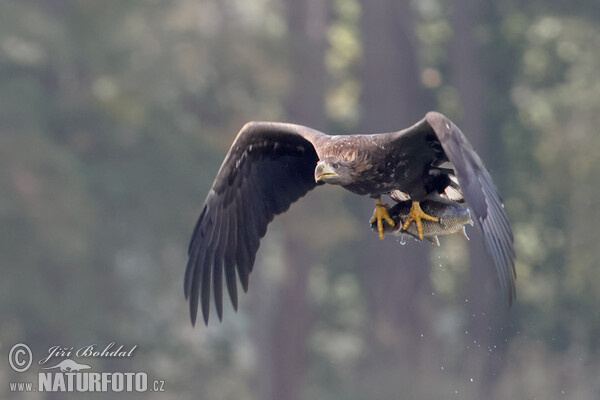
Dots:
(322, 171)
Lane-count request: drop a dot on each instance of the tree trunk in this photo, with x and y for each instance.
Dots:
(396, 278)
(467, 78)
(282, 339)
(307, 24)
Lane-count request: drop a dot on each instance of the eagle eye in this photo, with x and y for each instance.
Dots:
(335, 165)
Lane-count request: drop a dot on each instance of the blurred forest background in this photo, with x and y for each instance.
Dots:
(115, 116)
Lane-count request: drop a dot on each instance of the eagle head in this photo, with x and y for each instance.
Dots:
(334, 171)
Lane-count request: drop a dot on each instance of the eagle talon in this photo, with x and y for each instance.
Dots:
(380, 214)
(417, 214)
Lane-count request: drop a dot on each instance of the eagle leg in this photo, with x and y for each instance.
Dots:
(380, 214)
(417, 214)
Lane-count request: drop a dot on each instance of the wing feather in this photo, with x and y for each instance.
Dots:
(206, 262)
(218, 264)
(269, 166)
(242, 253)
(229, 257)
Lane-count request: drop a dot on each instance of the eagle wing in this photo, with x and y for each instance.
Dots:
(269, 166)
(478, 190)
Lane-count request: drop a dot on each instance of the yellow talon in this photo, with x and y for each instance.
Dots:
(417, 214)
(381, 214)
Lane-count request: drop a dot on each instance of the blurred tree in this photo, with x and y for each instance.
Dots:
(282, 338)
(484, 304)
(395, 278)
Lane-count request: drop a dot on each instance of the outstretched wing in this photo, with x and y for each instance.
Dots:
(482, 197)
(477, 188)
(269, 166)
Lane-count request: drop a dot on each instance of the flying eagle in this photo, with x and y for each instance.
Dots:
(271, 165)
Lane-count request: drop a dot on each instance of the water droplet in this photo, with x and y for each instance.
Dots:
(421, 335)
(471, 379)
(402, 240)
(442, 367)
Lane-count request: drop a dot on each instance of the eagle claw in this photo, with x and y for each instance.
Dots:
(380, 214)
(417, 214)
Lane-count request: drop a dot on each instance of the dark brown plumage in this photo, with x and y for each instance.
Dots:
(271, 165)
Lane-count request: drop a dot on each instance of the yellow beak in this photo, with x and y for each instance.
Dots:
(322, 171)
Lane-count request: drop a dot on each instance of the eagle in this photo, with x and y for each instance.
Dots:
(270, 165)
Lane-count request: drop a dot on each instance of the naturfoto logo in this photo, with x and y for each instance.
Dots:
(68, 375)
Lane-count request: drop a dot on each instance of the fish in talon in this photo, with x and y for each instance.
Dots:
(451, 218)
